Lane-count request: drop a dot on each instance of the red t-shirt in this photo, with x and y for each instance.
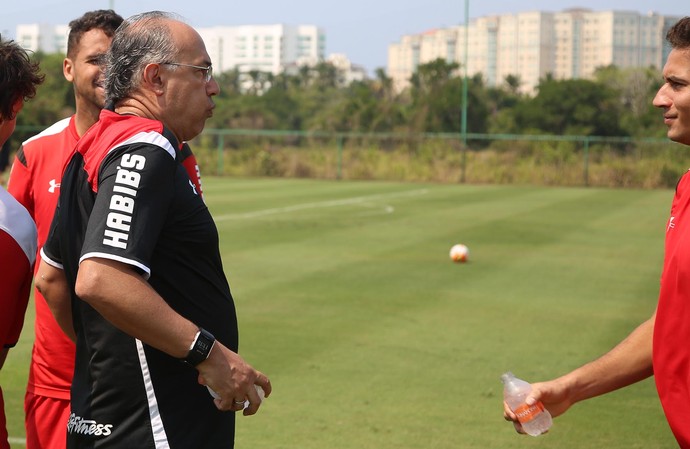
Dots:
(18, 250)
(35, 182)
(672, 327)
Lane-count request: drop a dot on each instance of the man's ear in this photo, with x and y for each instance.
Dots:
(67, 69)
(154, 78)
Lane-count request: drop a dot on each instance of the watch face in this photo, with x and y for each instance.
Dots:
(201, 348)
(204, 345)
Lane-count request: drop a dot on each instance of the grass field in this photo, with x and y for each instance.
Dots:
(374, 339)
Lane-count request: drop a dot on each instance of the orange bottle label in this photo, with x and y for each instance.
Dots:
(526, 413)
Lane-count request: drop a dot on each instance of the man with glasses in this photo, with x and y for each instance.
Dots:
(156, 361)
(208, 71)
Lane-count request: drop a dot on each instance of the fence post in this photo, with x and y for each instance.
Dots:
(219, 167)
(339, 166)
(463, 159)
(586, 156)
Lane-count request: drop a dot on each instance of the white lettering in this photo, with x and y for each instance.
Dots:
(122, 202)
(130, 178)
(119, 221)
(133, 161)
(115, 239)
(79, 425)
(126, 190)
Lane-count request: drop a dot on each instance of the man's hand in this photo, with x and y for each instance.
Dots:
(553, 394)
(233, 379)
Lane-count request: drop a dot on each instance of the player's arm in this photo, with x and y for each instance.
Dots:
(628, 362)
(52, 284)
(51, 279)
(122, 296)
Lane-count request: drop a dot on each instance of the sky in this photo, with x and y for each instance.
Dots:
(360, 29)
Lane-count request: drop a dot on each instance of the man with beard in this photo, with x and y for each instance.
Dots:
(35, 182)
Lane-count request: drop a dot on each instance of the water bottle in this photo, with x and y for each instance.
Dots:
(535, 419)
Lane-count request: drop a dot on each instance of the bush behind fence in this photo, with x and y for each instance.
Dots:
(444, 158)
(495, 159)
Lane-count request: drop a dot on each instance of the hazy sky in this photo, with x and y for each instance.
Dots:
(361, 29)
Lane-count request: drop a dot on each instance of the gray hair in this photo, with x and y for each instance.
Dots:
(141, 40)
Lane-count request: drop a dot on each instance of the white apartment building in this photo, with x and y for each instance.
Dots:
(347, 71)
(44, 38)
(267, 48)
(531, 45)
(416, 49)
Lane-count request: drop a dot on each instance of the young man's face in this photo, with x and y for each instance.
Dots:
(674, 96)
(83, 69)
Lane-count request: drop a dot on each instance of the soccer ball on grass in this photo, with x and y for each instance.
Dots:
(459, 253)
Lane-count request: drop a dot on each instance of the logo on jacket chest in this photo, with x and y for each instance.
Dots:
(53, 185)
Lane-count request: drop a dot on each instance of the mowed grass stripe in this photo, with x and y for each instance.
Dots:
(374, 339)
(384, 287)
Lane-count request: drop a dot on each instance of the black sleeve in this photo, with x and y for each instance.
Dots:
(135, 190)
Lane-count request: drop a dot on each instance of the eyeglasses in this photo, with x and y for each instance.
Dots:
(209, 70)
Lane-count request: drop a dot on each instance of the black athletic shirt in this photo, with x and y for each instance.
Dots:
(124, 196)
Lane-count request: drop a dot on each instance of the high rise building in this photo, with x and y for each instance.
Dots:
(531, 45)
(249, 48)
(416, 49)
(266, 48)
(44, 38)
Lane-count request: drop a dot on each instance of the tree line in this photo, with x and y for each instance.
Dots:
(614, 102)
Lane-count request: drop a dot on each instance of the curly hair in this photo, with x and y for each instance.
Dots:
(679, 34)
(105, 20)
(19, 77)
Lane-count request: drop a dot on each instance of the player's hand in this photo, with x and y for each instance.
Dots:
(233, 380)
(553, 394)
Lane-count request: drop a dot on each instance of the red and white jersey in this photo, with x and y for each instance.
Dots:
(35, 182)
(17, 256)
(672, 326)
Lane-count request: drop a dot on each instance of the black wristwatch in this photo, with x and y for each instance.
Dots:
(201, 347)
